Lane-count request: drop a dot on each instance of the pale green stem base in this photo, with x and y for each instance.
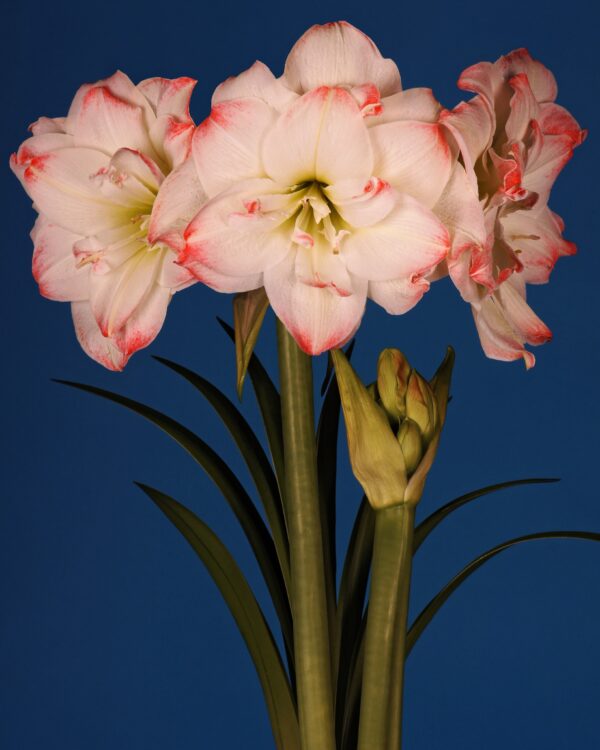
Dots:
(385, 637)
(309, 603)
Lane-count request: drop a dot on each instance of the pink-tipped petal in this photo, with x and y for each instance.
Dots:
(108, 123)
(411, 104)
(226, 146)
(361, 203)
(228, 239)
(523, 108)
(179, 199)
(338, 54)
(91, 340)
(54, 266)
(541, 80)
(318, 318)
(556, 120)
(498, 339)
(414, 157)
(321, 136)
(62, 185)
(116, 295)
(540, 174)
(409, 241)
(257, 81)
(169, 96)
(399, 296)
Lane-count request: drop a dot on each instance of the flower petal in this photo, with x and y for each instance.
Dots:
(226, 146)
(108, 123)
(321, 136)
(257, 81)
(115, 295)
(338, 54)
(319, 319)
(360, 203)
(542, 171)
(541, 80)
(556, 120)
(179, 199)
(411, 104)
(414, 157)
(169, 96)
(523, 108)
(226, 238)
(62, 186)
(93, 343)
(537, 238)
(54, 266)
(400, 295)
(409, 241)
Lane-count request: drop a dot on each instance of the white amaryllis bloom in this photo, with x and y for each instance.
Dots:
(104, 180)
(321, 186)
(514, 140)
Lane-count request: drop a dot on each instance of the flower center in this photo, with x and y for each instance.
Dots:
(317, 218)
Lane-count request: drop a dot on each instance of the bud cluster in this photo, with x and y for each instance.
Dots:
(409, 403)
(393, 426)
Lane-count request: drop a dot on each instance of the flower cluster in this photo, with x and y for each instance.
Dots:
(326, 186)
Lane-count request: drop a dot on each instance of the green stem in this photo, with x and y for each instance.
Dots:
(309, 603)
(385, 637)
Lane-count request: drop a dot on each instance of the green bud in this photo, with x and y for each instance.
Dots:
(375, 454)
(393, 373)
(409, 437)
(421, 405)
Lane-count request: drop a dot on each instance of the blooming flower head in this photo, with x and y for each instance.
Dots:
(514, 140)
(105, 180)
(321, 186)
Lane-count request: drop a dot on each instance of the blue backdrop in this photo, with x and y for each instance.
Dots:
(113, 636)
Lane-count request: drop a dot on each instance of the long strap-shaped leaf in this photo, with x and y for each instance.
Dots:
(351, 603)
(426, 526)
(246, 612)
(269, 403)
(252, 453)
(238, 499)
(436, 603)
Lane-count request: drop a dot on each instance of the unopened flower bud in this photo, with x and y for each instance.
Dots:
(411, 442)
(393, 373)
(421, 405)
(375, 454)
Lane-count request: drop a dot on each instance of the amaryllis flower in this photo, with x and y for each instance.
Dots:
(514, 141)
(320, 187)
(105, 180)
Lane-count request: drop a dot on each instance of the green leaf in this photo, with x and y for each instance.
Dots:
(425, 528)
(246, 612)
(249, 310)
(351, 603)
(350, 708)
(238, 499)
(253, 455)
(269, 403)
(436, 603)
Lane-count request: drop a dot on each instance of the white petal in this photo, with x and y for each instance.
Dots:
(94, 344)
(321, 136)
(108, 123)
(169, 96)
(409, 241)
(257, 81)
(319, 319)
(360, 203)
(117, 294)
(62, 184)
(226, 146)
(411, 104)
(224, 237)
(414, 157)
(54, 265)
(338, 54)
(398, 296)
(179, 199)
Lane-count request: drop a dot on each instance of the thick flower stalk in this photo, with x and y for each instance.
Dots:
(393, 430)
(321, 186)
(513, 140)
(107, 183)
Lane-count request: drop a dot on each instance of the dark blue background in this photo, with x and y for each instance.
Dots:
(112, 634)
